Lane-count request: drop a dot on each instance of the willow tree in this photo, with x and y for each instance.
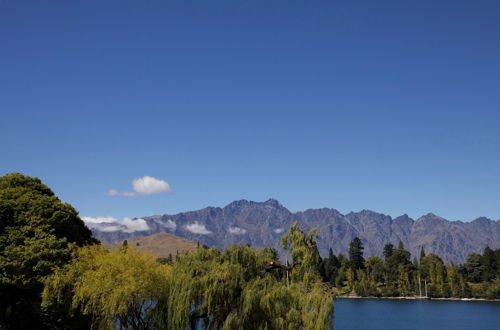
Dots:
(122, 288)
(239, 288)
(243, 288)
(307, 263)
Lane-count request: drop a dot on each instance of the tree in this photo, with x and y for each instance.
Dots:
(121, 288)
(308, 265)
(403, 280)
(399, 257)
(241, 288)
(473, 268)
(375, 269)
(388, 248)
(332, 265)
(453, 281)
(37, 234)
(238, 288)
(491, 264)
(356, 259)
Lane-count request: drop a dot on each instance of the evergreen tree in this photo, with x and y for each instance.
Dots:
(388, 249)
(490, 263)
(332, 265)
(356, 259)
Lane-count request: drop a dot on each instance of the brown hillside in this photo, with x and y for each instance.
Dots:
(161, 244)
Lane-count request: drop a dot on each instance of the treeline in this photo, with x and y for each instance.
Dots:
(397, 275)
(54, 275)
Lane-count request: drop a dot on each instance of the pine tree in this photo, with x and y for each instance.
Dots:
(388, 249)
(356, 259)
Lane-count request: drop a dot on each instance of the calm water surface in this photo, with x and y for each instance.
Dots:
(375, 314)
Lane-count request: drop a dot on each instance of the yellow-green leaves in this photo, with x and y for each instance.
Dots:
(307, 262)
(239, 288)
(121, 287)
(236, 289)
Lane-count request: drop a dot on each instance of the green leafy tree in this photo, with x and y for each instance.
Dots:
(375, 269)
(241, 288)
(307, 263)
(474, 268)
(37, 234)
(453, 281)
(403, 284)
(122, 288)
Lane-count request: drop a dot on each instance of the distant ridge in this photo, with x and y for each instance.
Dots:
(262, 224)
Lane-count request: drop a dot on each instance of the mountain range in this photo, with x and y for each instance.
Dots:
(262, 224)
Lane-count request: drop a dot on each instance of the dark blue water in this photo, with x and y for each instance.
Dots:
(374, 314)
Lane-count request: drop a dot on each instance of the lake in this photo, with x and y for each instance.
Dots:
(382, 314)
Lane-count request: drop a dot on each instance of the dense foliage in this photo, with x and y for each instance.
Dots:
(37, 234)
(397, 275)
(238, 288)
(122, 287)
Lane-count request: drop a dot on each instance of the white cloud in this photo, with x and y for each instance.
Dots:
(114, 192)
(198, 228)
(170, 224)
(147, 185)
(237, 230)
(279, 230)
(110, 224)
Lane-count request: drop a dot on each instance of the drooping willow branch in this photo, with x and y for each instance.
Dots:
(275, 265)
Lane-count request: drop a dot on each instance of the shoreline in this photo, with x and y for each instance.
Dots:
(418, 298)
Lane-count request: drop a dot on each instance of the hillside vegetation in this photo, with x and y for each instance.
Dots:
(161, 245)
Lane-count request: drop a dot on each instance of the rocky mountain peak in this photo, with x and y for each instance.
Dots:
(273, 203)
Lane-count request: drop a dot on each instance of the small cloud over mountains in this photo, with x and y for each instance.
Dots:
(147, 185)
(237, 230)
(170, 224)
(110, 224)
(198, 228)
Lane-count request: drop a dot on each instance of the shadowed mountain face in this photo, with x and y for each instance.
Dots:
(262, 224)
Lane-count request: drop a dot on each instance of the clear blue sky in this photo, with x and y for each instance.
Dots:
(392, 106)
